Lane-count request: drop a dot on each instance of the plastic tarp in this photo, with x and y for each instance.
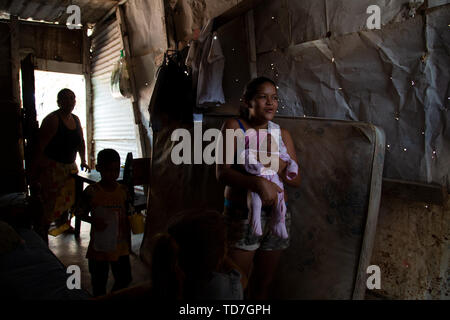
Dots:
(328, 64)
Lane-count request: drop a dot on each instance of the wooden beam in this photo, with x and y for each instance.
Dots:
(250, 26)
(234, 12)
(415, 191)
(89, 107)
(15, 59)
(111, 12)
(59, 66)
(18, 171)
(30, 124)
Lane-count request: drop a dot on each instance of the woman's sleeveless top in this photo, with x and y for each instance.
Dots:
(64, 145)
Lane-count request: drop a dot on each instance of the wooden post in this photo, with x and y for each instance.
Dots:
(250, 26)
(15, 59)
(89, 108)
(234, 12)
(19, 156)
(30, 124)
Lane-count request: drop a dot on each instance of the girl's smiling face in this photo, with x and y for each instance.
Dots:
(264, 103)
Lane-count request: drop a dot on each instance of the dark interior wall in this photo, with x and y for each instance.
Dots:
(369, 80)
(328, 64)
(12, 176)
(146, 23)
(5, 62)
(45, 42)
(236, 71)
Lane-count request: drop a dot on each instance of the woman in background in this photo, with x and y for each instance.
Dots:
(60, 139)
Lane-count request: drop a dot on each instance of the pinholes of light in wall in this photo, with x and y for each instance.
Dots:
(373, 22)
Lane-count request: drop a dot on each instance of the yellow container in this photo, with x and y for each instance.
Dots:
(56, 231)
(137, 222)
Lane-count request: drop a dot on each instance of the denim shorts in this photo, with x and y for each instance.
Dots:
(240, 233)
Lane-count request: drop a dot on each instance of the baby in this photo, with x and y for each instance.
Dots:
(255, 167)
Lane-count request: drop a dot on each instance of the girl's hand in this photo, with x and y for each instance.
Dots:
(268, 191)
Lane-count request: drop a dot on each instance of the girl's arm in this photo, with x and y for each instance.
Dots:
(287, 139)
(227, 175)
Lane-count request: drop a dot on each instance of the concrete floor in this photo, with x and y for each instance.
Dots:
(72, 251)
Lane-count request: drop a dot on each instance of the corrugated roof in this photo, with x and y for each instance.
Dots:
(56, 10)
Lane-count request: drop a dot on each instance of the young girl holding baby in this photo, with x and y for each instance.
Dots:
(256, 255)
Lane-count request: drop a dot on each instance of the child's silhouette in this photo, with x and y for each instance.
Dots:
(190, 260)
(109, 204)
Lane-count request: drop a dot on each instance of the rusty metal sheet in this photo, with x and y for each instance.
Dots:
(91, 11)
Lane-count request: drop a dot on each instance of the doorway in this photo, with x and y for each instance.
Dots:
(47, 86)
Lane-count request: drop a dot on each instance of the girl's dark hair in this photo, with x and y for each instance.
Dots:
(249, 92)
(192, 248)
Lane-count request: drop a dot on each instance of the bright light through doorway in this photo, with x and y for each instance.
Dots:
(47, 86)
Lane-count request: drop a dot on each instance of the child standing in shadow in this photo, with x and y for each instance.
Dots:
(109, 205)
(190, 260)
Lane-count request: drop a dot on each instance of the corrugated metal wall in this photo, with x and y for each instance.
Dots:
(113, 118)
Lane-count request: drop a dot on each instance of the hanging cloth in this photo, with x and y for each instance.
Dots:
(207, 62)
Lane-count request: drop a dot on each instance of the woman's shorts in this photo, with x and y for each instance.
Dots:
(240, 233)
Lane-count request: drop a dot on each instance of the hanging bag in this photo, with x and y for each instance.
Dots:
(120, 79)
